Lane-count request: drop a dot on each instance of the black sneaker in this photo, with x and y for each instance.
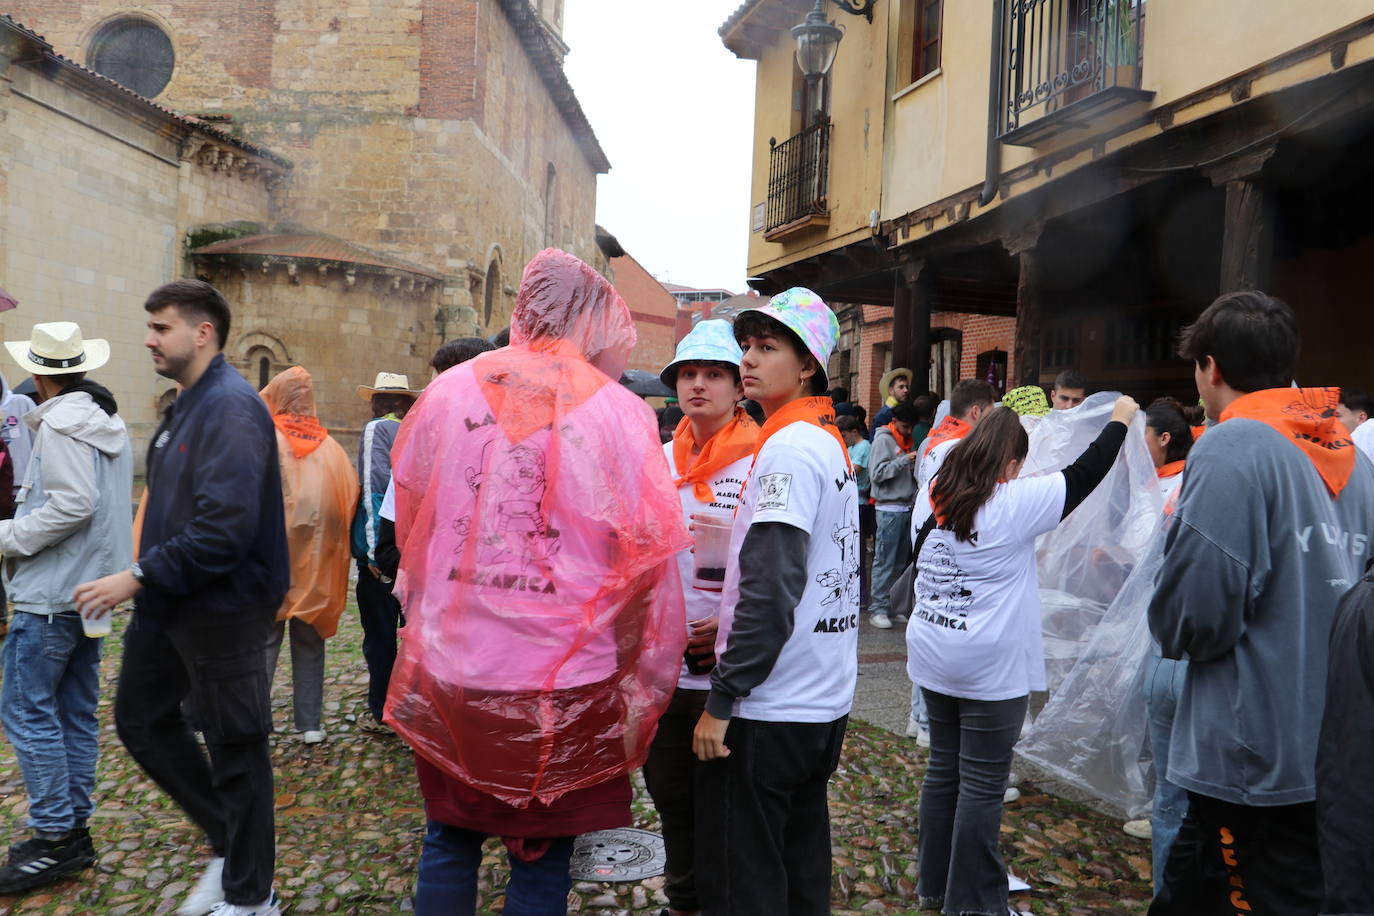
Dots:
(36, 862)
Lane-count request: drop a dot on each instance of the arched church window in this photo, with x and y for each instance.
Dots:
(492, 288)
(135, 53)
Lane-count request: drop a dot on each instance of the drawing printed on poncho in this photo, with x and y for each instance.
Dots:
(514, 492)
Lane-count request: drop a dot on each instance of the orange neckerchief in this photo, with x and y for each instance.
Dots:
(1307, 418)
(304, 433)
(820, 411)
(1169, 470)
(949, 428)
(903, 442)
(730, 443)
(1198, 431)
(525, 386)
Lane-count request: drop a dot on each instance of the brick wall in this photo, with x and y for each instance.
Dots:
(654, 310)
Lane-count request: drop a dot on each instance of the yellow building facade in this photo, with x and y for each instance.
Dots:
(1099, 169)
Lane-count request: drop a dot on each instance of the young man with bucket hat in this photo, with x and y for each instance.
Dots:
(709, 457)
(72, 524)
(787, 648)
(380, 613)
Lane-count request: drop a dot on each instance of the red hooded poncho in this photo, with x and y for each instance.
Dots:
(538, 527)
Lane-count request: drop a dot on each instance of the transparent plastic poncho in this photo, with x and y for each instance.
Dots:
(1096, 573)
(538, 528)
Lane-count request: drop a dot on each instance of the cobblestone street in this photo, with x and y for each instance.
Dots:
(350, 821)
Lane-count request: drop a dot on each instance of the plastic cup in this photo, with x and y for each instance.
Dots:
(712, 548)
(99, 626)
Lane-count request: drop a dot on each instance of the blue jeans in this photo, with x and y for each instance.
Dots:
(890, 556)
(47, 703)
(447, 885)
(1163, 682)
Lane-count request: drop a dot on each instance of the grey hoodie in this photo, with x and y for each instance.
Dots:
(73, 520)
(891, 476)
(1258, 557)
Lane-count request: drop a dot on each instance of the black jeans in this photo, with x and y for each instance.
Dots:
(961, 801)
(220, 664)
(670, 774)
(380, 614)
(763, 825)
(1235, 860)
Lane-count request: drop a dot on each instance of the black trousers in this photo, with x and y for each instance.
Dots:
(763, 825)
(380, 614)
(220, 664)
(670, 774)
(1234, 860)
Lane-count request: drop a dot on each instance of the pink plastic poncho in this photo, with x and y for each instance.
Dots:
(538, 528)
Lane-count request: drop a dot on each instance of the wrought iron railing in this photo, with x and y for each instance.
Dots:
(1056, 52)
(798, 176)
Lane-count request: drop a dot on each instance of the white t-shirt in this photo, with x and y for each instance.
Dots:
(388, 509)
(1363, 437)
(801, 478)
(1167, 486)
(931, 461)
(725, 484)
(975, 629)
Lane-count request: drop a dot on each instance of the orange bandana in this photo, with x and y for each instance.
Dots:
(731, 443)
(820, 411)
(949, 428)
(1169, 470)
(1307, 418)
(304, 433)
(903, 442)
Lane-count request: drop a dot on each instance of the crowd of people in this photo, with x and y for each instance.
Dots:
(553, 596)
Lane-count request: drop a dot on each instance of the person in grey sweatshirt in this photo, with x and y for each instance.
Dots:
(1273, 525)
(73, 523)
(892, 482)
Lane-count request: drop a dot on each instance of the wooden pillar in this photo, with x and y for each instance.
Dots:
(1247, 243)
(1028, 318)
(911, 306)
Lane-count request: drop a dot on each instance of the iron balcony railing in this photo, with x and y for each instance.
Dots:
(1057, 52)
(798, 176)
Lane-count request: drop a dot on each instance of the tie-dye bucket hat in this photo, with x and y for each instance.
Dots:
(804, 313)
(1028, 401)
(710, 341)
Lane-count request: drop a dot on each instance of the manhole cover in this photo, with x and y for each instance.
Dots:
(623, 854)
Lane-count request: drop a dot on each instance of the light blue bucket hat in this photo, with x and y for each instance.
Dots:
(710, 341)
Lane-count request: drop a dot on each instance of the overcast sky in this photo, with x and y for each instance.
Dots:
(674, 111)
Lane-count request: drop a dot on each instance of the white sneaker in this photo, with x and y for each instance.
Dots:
(208, 892)
(1011, 795)
(899, 618)
(881, 621)
(314, 736)
(1140, 829)
(269, 907)
(914, 730)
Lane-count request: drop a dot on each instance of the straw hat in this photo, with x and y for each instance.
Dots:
(56, 348)
(388, 383)
(891, 376)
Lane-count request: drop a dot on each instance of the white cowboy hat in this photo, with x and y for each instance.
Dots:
(388, 383)
(56, 348)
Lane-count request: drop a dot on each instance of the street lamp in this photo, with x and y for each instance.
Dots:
(818, 40)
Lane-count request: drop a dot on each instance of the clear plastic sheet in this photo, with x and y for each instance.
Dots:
(1093, 733)
(1085, 561)
(1097, 574)
(538, 527)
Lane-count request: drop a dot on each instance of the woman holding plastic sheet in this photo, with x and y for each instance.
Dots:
(974, 643)
(538, 528)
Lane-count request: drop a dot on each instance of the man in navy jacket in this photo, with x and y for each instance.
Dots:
(212, 570)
